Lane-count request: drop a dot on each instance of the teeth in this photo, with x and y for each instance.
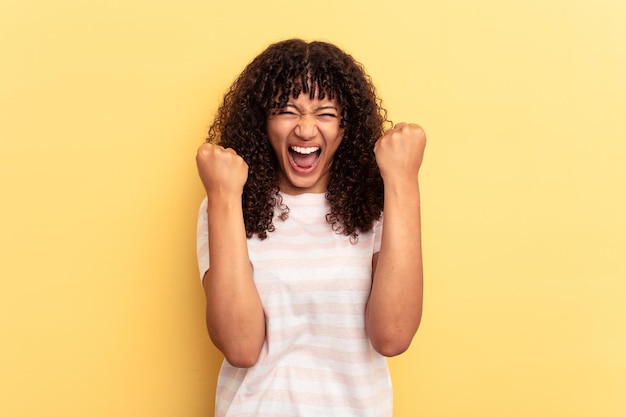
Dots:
(305, 151)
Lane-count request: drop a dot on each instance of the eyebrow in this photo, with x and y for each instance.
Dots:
(329, 107)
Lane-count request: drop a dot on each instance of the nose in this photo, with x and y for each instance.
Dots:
(306, 128)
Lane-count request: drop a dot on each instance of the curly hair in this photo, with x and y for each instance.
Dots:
(287, 69)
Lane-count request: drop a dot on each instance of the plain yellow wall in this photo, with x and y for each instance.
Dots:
(102, 105)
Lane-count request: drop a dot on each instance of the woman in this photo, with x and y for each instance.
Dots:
(308, 286)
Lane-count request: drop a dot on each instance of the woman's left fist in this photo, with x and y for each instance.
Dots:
(399, 152)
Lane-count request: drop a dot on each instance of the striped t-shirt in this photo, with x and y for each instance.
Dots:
(316, 359)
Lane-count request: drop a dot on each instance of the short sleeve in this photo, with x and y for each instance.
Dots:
(378, 233)
(202, 240)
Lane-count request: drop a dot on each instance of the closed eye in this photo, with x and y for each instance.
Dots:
(289, 109)
(327, 112)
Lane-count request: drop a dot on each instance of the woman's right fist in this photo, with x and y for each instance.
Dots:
(221, 169)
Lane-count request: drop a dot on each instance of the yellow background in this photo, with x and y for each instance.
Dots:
(103, 103)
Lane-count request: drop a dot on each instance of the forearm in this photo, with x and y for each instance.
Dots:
(234, 315)
(394, 308)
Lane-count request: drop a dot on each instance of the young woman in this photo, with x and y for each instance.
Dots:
(308, 286)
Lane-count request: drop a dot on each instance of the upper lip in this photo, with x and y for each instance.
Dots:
(304, 149)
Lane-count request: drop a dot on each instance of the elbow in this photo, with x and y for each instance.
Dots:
(393, 342)
(240, 345)
(391, 346)
(240, 354)
(240, 359)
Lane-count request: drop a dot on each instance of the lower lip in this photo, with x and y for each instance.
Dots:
(300, 170)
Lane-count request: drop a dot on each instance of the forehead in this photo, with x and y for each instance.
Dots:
(288, 86)
(304, 101)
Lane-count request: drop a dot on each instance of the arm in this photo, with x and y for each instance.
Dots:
(394, 309)
(234, 314)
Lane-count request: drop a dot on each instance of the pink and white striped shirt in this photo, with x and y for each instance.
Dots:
(314, 285)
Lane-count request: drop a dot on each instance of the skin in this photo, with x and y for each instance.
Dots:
(394, 309)
(234, 314)
(305, 124)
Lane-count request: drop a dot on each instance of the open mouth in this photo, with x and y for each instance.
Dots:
(304, 158)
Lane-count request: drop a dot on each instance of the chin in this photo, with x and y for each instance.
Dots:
(309, 185)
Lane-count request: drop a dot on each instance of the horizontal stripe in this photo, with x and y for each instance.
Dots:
(358, 375)
(337, 402)
(275, 409)
(314, 285)
(331, 308)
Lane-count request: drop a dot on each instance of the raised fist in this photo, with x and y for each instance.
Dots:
(221, 169)
(399, 152)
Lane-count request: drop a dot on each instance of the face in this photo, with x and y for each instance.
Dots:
(305, 135)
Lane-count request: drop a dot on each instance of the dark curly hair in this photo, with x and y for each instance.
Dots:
(289, 68)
